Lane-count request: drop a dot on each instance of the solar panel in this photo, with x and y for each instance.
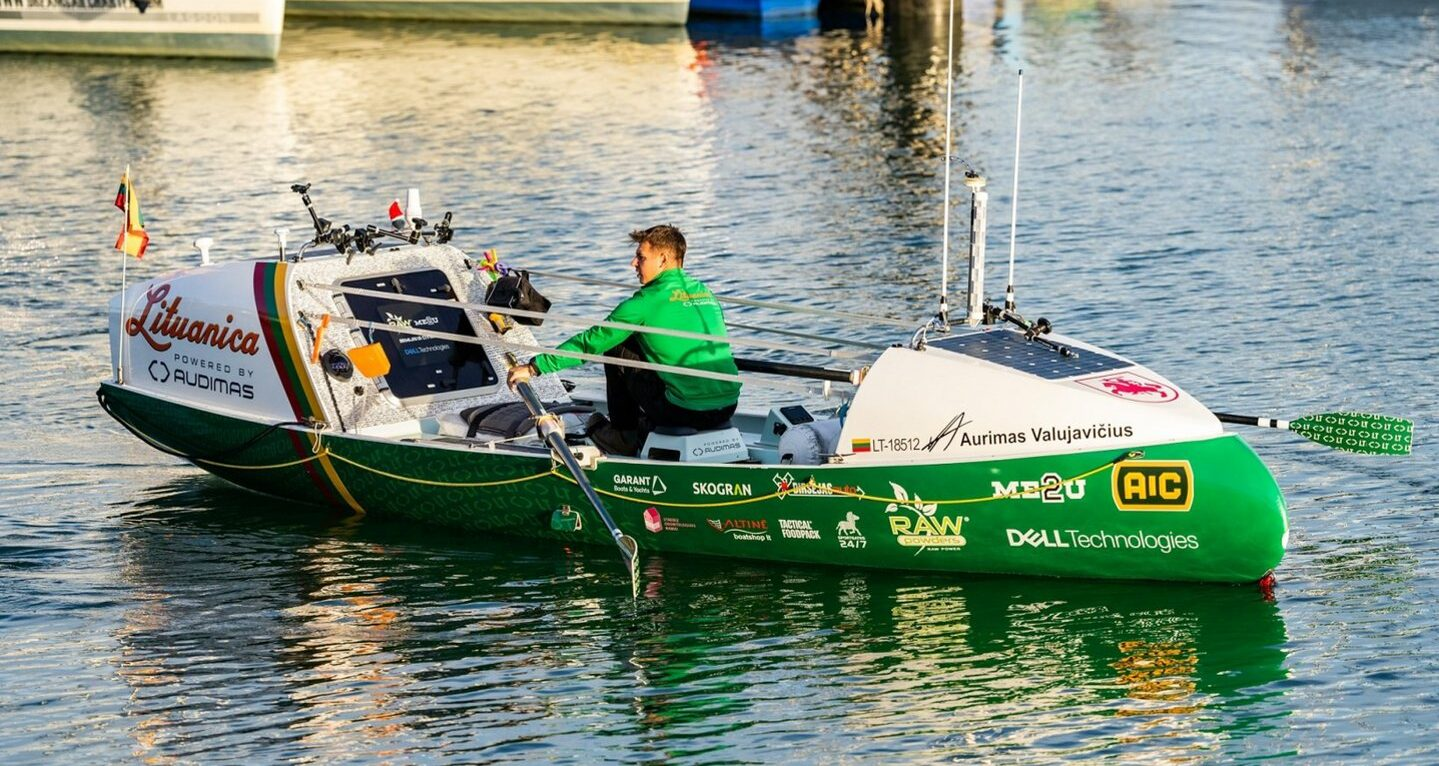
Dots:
(1010, 349)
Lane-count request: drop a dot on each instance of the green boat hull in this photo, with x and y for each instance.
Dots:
(1206, 510)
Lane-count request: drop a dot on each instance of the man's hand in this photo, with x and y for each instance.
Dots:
(521, 373)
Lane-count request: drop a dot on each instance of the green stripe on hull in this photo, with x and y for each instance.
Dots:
(659, 13)
(269, 288)
(1210, 509)
(231, 46)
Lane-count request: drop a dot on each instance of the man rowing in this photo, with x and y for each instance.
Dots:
(641, 400)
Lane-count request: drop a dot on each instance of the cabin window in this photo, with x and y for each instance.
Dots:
(420, 365)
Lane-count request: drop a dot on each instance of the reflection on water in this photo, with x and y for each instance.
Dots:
(362, 638)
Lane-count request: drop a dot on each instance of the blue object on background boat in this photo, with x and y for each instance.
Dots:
(732, 28)
(765, 9)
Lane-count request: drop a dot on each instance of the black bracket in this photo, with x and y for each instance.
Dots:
(1033, 331)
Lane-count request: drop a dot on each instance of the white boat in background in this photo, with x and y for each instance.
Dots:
(658, 12)
(246, 29)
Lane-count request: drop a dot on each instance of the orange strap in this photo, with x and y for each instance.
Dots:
(319, 336)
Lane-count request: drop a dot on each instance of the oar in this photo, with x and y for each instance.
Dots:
(527, 348)
(553, 431)
(854, 377)
(853, 318)
(595, 322)
(1349, 431)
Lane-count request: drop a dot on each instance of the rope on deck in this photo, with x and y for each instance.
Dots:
(808, 485)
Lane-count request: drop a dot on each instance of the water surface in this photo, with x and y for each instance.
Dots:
(1238, 193)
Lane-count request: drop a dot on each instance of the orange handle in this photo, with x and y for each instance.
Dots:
(319, 336)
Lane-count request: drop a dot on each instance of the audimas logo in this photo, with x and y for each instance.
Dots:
(721, 447)
(1153, 485)
(179, 376)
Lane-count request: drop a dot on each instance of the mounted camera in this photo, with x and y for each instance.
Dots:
(443, 232)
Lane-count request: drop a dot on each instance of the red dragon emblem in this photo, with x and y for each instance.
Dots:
(1129, 385)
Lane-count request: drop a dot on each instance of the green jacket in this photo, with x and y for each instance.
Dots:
(674, 301)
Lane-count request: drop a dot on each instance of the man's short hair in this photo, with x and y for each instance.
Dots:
(663, 237)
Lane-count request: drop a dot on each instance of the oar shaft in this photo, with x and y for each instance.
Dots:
(852, 317)
(593, 322)
(805, 335)
(556, 440)
(526, 348)
(799, 370)
(549, 427)
(1250, 420)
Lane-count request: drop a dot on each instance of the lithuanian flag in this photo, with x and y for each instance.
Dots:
(859, 445)
(133, 239)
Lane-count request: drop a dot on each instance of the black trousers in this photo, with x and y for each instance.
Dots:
(637, 397)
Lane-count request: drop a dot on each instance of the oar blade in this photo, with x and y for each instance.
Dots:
(1357, 432)
(631, 551)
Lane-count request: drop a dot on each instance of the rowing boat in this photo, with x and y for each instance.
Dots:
(370, 378)
(245, 29)
(649, 12)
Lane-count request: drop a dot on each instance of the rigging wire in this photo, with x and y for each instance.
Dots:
(948, 152)
(1014, 197)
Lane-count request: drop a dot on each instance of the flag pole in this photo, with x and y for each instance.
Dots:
(124, 266)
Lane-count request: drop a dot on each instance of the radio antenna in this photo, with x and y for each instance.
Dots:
(948, 138)
(1014, 198)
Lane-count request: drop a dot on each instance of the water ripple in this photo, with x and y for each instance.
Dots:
(1234, 192)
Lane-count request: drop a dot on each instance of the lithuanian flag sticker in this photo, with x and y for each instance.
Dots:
(859, 445)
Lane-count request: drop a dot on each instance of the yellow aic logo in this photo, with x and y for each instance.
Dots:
(1153, 485)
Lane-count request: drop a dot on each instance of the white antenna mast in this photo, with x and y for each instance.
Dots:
(1014, 198)
(948, 137)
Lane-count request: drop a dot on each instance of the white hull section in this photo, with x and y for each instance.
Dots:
(656, 12)
(939, 405)
(209, 28)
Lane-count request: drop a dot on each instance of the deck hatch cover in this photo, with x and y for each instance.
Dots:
(421, 365)
(1009, 349)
